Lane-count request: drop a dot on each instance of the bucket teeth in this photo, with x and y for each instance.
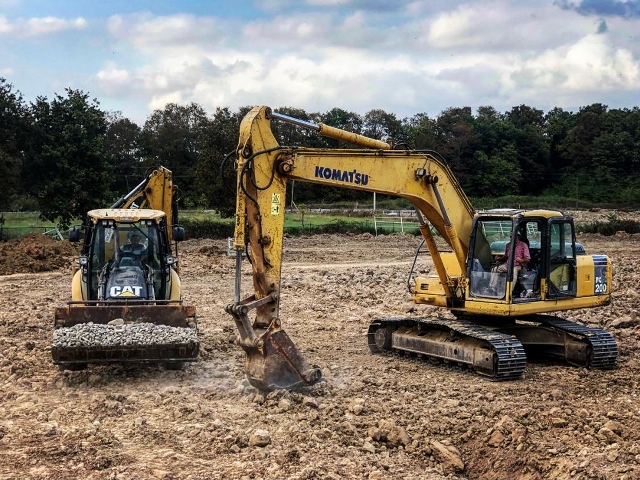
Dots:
(278, 364)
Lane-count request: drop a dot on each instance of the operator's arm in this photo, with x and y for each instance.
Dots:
(522, 254)
(505, 256)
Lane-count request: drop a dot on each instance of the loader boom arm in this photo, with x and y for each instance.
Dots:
(156, 192)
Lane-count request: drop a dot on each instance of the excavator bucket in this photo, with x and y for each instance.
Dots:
(277, 363)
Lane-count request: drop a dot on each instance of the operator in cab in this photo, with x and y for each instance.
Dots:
(521, 260)
(134, 248)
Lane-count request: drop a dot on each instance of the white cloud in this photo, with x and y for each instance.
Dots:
(496, 53)
(499, 26)
(592, 63)
(149, 33)
(114, 80)
(33, 27)
(158, 102)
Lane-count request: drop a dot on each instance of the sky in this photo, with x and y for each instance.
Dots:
(404, 56)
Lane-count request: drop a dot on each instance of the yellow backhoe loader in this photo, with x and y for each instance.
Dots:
(126, 300)
(499, 319)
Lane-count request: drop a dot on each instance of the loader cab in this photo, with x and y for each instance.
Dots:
(134, 241)
(549, 274)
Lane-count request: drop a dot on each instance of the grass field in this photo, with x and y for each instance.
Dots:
(17, 224)
(296, 221)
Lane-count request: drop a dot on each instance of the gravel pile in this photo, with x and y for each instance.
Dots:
(94, 335)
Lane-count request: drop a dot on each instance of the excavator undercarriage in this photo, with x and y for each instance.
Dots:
(497, 350)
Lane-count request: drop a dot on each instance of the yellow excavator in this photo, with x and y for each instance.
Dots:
(126, 304)
(498, 319)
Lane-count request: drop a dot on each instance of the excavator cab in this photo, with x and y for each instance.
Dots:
(493, 238)
(552, 270)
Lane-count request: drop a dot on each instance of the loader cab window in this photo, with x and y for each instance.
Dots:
(138, 240)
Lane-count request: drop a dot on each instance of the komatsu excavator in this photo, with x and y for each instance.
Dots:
(126, 303)
(497, 319)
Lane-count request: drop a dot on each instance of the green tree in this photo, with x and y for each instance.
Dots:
(122, 151)
(14, 131)
(420, 131)
(385, 126)
(532, 146)
(66, 168)
(457, 141)
(215, 173)
(558, 122)
(174, 138)
(497, 175)
(577, 153)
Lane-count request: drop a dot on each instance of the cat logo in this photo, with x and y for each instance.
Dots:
(126, 291)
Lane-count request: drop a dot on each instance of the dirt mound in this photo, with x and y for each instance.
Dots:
(35, 253)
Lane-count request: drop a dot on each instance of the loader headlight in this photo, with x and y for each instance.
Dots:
(170, 260)
(83, 261)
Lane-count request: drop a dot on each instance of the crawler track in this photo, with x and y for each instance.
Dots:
(495, 349)
(498, 355)
(603, 350)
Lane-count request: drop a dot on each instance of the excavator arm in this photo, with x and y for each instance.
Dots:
(263, 168)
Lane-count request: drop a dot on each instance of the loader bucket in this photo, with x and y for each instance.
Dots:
(173, 315)
(86, 334)
(278, 364)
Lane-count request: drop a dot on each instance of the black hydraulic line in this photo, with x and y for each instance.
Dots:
(413, 265)
(247, 165)
(222, 165)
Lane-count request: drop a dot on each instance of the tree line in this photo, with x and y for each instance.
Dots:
(66, 155)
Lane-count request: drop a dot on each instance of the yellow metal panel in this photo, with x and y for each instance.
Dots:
(76, 287)
(175, 286)
(503, 309)
(451, 264)
(585, 285)
(429, 289)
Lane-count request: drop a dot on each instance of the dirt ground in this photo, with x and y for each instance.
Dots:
(371, 417)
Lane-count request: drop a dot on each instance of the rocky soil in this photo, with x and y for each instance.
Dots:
(372, 417)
